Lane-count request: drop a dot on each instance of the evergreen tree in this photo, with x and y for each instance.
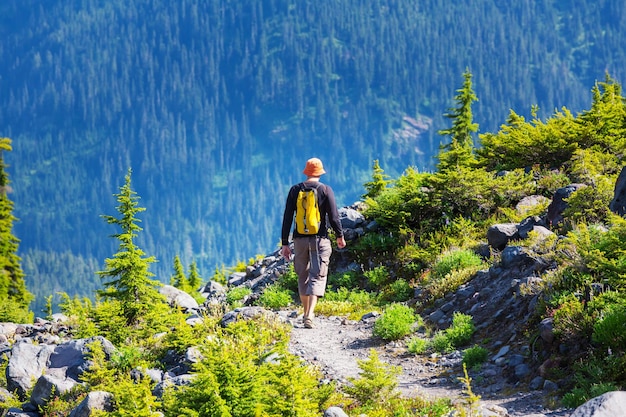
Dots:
(379, 182)
(129, 268)
(194, 279)
(459, 152)
(14, 297)
(179, 280)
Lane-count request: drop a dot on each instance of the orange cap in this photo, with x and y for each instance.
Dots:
(314, 168)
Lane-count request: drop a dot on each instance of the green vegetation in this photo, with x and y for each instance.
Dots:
(185, 91)
(274, 297)
(430, 226)
(475, 356)
(14, 297)
(396, 322)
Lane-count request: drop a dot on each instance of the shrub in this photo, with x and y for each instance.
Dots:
(475, 356)
(275, 297)
(571, 320)
(376, 383)
(397, 292)
(344, 302)
(441, 343)
(417, 345)
(377, 276)
(462, 329)
(458, 334)
(610, 331)
(395, 323)
(455, 260)
(237, 294)
(346, 279)
(289, 280)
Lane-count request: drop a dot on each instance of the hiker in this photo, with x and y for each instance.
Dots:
(311, 251)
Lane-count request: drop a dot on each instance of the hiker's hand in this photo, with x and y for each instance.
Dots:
(286, 252)
(341, 242)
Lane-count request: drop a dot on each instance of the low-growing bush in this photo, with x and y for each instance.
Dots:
(462, 329)
(396, 292)
(455, 260)
(417, 345)
(475, 356)
(344, 302)
(441, 342)
(289, 280)
(237, 294)
(396, 322)
(458, 334)
(377, 276)
(274, 297)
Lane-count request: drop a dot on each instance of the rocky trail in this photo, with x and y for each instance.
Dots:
(336, 344)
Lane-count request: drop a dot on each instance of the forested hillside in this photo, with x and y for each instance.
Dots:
(215, 106)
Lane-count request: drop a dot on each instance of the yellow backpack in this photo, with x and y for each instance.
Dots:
(308, 215)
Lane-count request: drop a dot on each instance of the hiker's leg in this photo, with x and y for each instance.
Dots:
(318, 272)
(301, 266)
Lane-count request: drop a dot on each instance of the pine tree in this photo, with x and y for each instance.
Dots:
(14, 297)
(379, 182)
(179, 280)
(459, 152)
(194, 279)
(129, 268)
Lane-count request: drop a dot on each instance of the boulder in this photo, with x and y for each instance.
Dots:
(610, 404)
(180, 298)
(26, 365)
(95, 400)
(558, 204)
(528, 203)
(618, 204)
(350, 218)
(334, 412)
(499, 235)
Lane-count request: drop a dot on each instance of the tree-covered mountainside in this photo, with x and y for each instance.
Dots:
(215, 106)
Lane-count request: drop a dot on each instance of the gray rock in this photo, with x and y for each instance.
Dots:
(618, 204)
(558, 204)
(350, 218)
(95, 400)
(50, 385)
(16, 412)
(550, 386)
(243, 313)
(529, 224)
(513, 255)
(334, 412)
(499, 235)
(522, 370)
(536, 383)
(530, 202)
(177, 297)
(546, 330)
(26, 365)
(236, 278)
(503, 351)
(610, 404)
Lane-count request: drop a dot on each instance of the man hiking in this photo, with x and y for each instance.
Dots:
(313, 206)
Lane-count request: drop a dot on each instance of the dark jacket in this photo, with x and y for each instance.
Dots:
(328, 211)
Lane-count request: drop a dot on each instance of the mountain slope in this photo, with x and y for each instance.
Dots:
(215, 106)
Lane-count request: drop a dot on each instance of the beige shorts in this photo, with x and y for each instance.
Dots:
(311, 258)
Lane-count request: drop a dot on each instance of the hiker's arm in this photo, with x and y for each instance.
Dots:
(290, 208)
(333, 216)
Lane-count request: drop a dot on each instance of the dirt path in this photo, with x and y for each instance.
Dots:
(335, 345)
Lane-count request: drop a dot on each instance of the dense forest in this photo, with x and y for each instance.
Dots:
(215, 106)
